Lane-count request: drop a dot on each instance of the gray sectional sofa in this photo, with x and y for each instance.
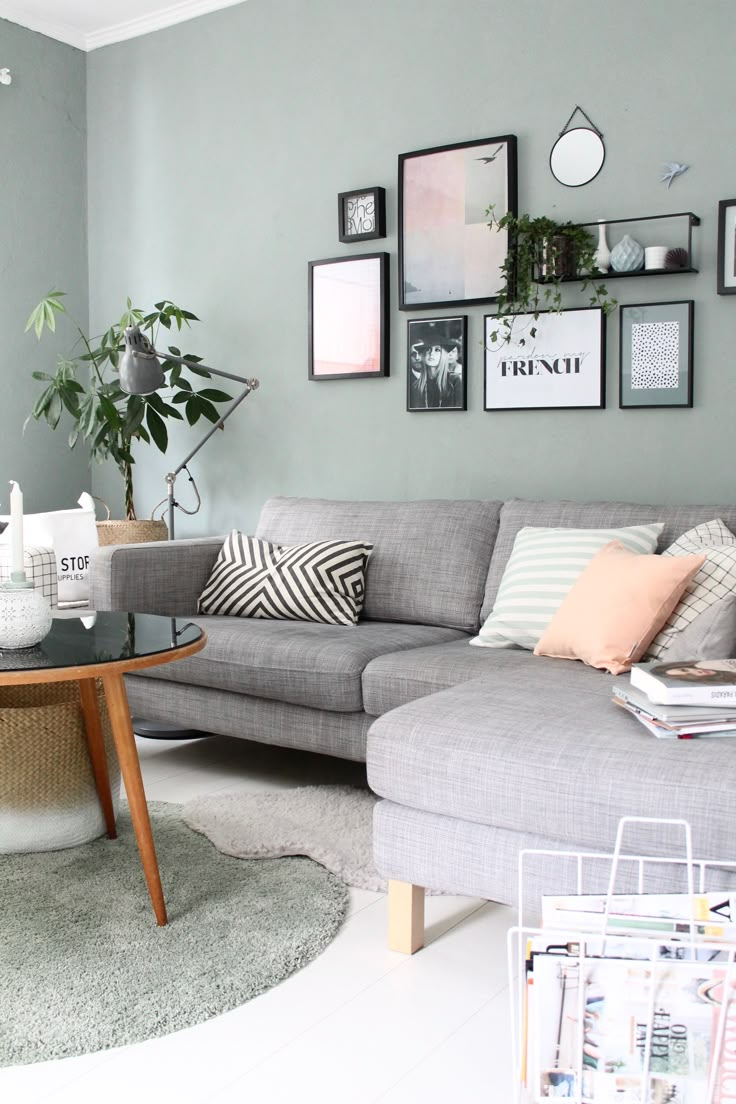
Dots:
(475, 752)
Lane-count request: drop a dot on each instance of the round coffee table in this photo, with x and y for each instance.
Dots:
(107, 646)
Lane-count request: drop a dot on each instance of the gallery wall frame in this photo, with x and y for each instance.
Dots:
(361, 214)
(656, 354)
(447, 255)
(553, 361)
(727, 247)
(436, 363)
(348, 327)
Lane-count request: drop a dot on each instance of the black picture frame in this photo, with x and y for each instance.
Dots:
(665, 355)
(440, 385)
(726, 275)
(348, 320)
(563, 351)
(448, 257)
(361, 214)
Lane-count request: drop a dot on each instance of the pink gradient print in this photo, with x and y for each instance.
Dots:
(346, 326)
(449, 252)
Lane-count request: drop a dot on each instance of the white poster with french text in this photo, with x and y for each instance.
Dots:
(556, 361)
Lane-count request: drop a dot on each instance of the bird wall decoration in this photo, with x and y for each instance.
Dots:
(672, 169)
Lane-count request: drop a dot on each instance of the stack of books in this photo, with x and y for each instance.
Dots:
(682, 701)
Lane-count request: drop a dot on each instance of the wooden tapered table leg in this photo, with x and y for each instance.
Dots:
(96, 747)
(130, 768)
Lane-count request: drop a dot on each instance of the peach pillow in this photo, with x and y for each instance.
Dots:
(616, 607)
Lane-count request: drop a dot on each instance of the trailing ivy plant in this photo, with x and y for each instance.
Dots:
(85, 385)
(541, 253)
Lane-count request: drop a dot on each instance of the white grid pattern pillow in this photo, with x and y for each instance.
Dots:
(39, 565)
(323, 581)
(542, 567)
(715, 580)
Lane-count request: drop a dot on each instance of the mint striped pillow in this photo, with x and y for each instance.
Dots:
(543, 565)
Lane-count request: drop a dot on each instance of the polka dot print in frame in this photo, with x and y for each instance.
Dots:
(655, 354)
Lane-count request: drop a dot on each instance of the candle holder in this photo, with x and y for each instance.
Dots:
(25, 615)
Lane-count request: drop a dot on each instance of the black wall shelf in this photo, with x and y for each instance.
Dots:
(692, 220)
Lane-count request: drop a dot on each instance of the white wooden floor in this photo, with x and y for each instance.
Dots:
(359, 1024)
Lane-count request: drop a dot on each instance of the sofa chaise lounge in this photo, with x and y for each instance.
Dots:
(475, 752)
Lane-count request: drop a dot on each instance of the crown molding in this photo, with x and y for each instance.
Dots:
(156, 21)
(13, 10)
(62, 32)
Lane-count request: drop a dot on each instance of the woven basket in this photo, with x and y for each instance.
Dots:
(48, 797)
(129, 532)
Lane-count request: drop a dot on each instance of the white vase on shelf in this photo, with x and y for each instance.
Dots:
(602, 256)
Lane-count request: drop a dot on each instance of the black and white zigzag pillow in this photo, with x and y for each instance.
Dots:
(323, 581)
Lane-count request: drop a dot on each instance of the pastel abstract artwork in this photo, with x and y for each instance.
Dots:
(348, 328)
(447, 255)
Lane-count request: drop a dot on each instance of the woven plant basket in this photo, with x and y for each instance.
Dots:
(48, 798)
(129, 532)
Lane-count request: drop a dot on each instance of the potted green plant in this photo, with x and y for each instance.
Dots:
(541, 254)
(85, 386)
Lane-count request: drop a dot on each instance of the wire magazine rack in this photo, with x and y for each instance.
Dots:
(688, 961)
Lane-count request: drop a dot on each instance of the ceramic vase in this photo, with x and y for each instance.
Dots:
(25, 617)
(627, 256)
(602, 256)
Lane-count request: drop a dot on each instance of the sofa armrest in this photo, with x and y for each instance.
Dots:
(163, 577)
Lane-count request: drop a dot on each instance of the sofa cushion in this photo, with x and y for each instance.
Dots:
(545, 749)
(430, 559)
(543, 566)
(294, 661)
(616, 607)
(518, 513)
(323, 581)
(712, 635)
(715, 581)
(397, 678)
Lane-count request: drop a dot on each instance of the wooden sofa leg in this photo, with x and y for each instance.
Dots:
(405, 917)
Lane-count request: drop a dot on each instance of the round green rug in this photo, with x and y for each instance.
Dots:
(83, 965)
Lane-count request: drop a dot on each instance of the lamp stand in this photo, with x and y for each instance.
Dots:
(160, 730)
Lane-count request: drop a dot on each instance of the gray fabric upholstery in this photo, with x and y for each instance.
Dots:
(430, 558)
(517, 513)
(266, 722)
(401, 677)
(540, 743)
(319, 666)
(456, 856)
(712, 635)
(163, 577)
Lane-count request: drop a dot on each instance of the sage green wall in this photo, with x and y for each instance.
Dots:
(43, 236)
(217, 149)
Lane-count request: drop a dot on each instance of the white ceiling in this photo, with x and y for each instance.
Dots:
(88, 24)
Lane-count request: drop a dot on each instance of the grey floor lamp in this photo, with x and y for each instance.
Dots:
(141, 373)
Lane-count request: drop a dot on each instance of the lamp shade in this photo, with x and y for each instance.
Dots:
(139, 367)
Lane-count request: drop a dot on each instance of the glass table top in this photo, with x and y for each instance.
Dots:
(81, 637)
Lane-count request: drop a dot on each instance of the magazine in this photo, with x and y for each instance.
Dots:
(690, 682)
(609, 1030)
(674, 715)
(713, 913)
(664, 731)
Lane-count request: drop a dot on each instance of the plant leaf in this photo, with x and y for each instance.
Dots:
(214, 395)
(157, 428)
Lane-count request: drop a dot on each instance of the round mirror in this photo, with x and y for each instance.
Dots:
(577, 157)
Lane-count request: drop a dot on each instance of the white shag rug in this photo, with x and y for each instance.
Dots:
(331, 824)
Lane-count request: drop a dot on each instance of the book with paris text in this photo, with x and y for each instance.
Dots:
(710, 682)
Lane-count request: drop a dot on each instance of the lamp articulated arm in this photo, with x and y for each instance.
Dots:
(141, 374)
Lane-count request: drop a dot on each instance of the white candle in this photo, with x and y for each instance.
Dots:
(16, 530)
